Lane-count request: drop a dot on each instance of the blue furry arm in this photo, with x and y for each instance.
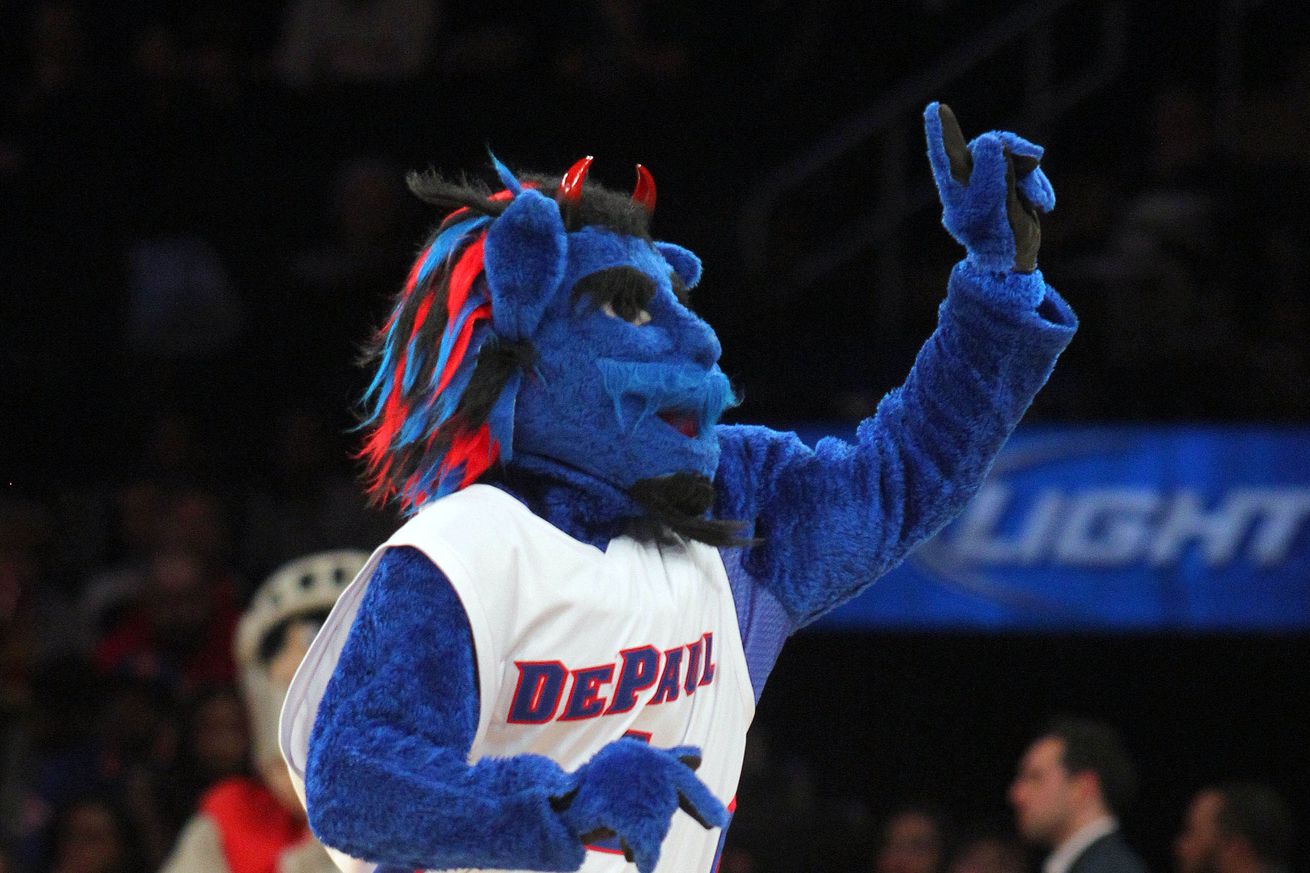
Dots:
(388, 778)
(833, 519)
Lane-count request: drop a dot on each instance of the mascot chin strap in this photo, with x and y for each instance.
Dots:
(596, 511)
(604, 499)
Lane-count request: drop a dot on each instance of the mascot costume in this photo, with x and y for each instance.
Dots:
(257, 825)
(553, 664)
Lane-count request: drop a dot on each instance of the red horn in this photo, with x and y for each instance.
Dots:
(570, 185)
(644, 191)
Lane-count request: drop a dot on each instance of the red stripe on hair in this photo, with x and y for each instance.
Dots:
(410, 281)
(377, 448)
(475, 451)
(420, 316)
(415, 498)
(461, 278)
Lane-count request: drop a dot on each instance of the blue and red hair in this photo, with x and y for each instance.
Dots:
(439, 413)
(428, 433)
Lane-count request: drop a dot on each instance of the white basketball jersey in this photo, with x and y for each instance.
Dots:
(576, 647)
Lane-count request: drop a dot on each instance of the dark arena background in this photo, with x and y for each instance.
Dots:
(202, 214)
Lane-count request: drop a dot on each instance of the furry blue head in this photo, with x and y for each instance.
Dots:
(613, 377)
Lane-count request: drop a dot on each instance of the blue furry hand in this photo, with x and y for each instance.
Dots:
(632, 790)
(992, 191)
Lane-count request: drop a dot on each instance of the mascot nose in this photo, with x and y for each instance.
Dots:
(700, 343)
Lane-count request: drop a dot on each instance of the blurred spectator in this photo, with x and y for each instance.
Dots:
(94, 835)
(611, 49)
(356, 41)
(332, 292)
(1072, 782)
(913, 840)
(306, 504)
(774, 825)
(1235, 828)
(140, 727)
(174, 452)
(151, 519)
(139, 740)
(988, 853)
(57, 46)
(195, 520)
(368, 235)
(182, 303)
(109, 589)
(1170, 307)
(219, 60)
(34, 607)
(215, 744)
(55, 753)
(737, 860)
(1276, 118)
(180, 627)
(113, 738)
(257, 824)
(217, 738)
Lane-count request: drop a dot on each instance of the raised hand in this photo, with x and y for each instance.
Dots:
(992, 191)
(632, 790)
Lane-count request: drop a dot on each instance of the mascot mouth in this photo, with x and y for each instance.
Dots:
(684, 422)
(688, 398)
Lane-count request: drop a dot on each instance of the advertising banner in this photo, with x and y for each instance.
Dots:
(1151, 529)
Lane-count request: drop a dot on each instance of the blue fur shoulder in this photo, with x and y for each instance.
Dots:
(387, 779)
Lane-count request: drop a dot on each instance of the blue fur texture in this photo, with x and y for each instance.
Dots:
(565, 413)
(525, 260)
(683, 261)
(975, 213)
(832, 519)
(638, 390)
(633, 789)
(388, 779)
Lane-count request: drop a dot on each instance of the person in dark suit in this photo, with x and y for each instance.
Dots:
(1072, 782)
(1235, 828)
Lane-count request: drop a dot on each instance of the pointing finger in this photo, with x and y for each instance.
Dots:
(950, 168)
(953, 141)
(699, 802)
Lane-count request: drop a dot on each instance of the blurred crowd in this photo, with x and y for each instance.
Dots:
(118, 699)
(204, 212)
(205, 209)
(1070, 787)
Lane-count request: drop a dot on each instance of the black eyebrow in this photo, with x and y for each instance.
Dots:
(616, 284)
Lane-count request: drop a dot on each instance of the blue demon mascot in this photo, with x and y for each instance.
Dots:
(552, 665)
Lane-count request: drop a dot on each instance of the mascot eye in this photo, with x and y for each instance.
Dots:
(627, 310)
(619, 292)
